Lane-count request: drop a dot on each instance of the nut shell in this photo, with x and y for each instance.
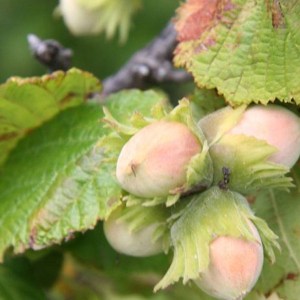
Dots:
(277, 126)
(137, 243)
(154, 161)
(235, 265)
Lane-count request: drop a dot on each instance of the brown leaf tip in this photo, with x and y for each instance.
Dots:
(277, 15)
(197, 16)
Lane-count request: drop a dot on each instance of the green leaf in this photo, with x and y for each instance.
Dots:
(45, 265)
(248, 50)
(54, 182)
(258, 296)
(59, 179)
(281, 211)
(92, 248)
(118, 276)
(139, 105)
(204, 102)
(27, 103)
(121, 278)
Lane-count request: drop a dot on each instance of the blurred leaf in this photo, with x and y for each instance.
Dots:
(248, 50)
(204, 102)
(46, 268)
(281, 211)
(59, 180)
(41, 268)
(79, 281)
(92, 249)
(126, 104)
(14, 286)
(27, 103)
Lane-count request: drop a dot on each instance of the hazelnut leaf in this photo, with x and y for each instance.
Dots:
(204, 102)
(281, 211)
(56, 182)
(16, 284)
(26, 103)
(60, 179)
(248, 50)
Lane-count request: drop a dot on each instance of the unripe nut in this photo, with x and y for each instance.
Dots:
(133, 243)
(235, 265)
(154, 161)
(277, 126)
(80, 20)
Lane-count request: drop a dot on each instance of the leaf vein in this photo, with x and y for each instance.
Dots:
(282, 231)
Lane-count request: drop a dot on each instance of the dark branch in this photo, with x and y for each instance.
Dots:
(50, 53)
(150, 64)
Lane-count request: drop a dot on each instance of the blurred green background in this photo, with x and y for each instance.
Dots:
(96, 54)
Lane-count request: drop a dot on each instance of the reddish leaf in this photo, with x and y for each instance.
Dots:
(197, 16)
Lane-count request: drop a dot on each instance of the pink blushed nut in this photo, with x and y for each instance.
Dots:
(277, 126)
(235, 265)
(154, 161)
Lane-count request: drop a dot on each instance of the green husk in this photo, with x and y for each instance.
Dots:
(209, 215)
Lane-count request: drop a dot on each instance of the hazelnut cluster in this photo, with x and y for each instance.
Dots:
(243, 149)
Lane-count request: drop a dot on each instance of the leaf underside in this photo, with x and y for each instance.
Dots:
(249, 50)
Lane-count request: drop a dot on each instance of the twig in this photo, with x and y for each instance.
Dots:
(150, 64)
(50, 53)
